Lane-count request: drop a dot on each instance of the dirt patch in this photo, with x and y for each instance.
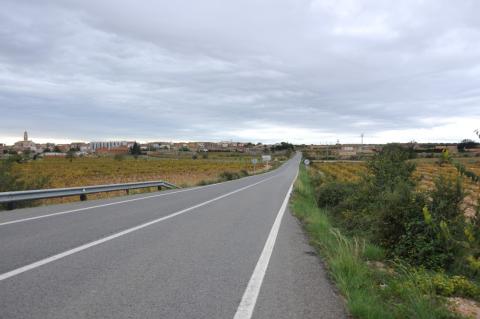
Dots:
(465, 307)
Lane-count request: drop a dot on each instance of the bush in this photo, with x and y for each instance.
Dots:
(424, 229)
(447, 286)
(203, 182)
(333, 193)
(228, 176)
(369, 293)
(437, 238)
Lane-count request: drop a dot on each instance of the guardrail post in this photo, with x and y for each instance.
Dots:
(159, 188)
(11, 205)
(83, 197)
(127, 191)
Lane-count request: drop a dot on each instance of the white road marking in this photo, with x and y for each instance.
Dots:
(119, 234)
(88, 208)
(104, 205)
(249, 299)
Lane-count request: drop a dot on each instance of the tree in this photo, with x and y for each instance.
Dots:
(70, 155)
(466, 144)
(283, 146)
(135, 150)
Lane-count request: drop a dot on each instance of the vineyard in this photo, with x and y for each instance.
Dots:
(341, 171)
(426, 172)
(86, 171)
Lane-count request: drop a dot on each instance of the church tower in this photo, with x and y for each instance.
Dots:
(25, 136)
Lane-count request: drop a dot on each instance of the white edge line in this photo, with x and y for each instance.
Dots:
(250, 296)
(110, 204)
(119, 234)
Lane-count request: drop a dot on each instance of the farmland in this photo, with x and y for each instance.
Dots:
(84, 171)
(427, 170)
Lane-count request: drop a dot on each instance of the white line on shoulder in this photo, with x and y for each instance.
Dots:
(250, 296)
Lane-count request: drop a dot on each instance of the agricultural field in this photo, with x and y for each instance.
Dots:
(85, 171)
(341, 171)
(426, 172)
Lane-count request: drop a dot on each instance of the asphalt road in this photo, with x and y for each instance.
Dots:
(229, 250)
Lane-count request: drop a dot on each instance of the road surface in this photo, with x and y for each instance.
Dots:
(229, 250)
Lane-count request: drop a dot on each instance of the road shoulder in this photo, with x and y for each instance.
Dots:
(296, 284)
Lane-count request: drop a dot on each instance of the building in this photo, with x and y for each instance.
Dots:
(25, 145)
(179, 145)
(109, 145)
(211, 146)
(348, 150)
(80, 146)
(155, 146)
(63, 147)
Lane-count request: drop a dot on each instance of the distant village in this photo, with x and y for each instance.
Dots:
(26, 146)
(465, 148)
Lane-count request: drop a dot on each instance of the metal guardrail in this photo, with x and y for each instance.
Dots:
(17, 196)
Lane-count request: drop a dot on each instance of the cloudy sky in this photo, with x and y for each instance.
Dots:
(306, 71)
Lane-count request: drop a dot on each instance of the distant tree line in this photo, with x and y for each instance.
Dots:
(466, 144)
(283, 146)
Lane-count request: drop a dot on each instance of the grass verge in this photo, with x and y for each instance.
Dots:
(371, 289)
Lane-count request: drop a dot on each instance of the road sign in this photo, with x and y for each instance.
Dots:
(266, 158)
(254, 162)
(306, 162)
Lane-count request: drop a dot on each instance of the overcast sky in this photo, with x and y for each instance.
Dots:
(249, 70)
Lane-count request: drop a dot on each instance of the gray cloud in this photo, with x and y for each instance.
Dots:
(306, 71)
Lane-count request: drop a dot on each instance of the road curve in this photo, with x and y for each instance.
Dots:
(229, 250)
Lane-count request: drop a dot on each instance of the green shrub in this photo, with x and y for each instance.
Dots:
(228, 176)
(203, 183)
(368, 293)
(424, 229)
(444, 285)
(333, 193)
